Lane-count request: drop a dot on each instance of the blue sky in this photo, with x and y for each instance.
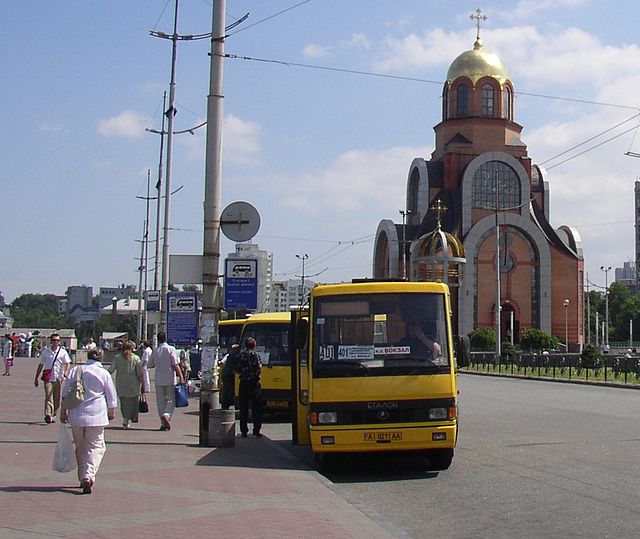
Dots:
(323, 155)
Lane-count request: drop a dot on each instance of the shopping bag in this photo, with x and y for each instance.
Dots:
(182, 395)
(64, 456)
(75, 391)
(143, 405)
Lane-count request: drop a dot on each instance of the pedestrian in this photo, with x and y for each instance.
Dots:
(229, 362)
(144, 361)
(54, 366)
(185, 362)
(165, 360)
(90, 344)
(89, 418)
(129, 380)
(249, 369)
(7, 354)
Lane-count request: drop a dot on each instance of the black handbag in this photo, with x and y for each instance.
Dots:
(143, 405)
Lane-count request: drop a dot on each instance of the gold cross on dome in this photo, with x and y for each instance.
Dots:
(478, 17)
(440, 209)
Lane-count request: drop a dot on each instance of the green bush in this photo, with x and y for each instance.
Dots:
(591, 357)
(508, 352)
(536, 340)
(483, 339)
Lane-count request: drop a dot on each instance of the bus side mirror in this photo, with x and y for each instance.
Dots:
(463, 350)
(301, 332)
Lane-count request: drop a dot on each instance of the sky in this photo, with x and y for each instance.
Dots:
(321, 151)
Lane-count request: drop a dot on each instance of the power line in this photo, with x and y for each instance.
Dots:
(269, 17)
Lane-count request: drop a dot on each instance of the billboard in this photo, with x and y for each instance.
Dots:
(240, 283)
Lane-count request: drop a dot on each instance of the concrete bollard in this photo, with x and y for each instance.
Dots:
(222, 428)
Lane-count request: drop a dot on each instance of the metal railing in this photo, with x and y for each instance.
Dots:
(623, 369)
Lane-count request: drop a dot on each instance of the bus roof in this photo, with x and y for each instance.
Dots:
(380, 287)
(269, 318)
(233, 322)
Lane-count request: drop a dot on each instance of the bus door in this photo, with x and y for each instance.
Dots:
(298, 344)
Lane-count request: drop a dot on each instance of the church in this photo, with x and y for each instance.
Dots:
(477, 216)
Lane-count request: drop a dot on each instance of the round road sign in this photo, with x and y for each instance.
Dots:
(240, 221)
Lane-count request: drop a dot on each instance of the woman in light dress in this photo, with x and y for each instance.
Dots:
(129, 380)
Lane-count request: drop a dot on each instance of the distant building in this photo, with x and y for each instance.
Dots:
(626, 275)
(285, 294)
(6, 322)
(107, 294)
(78, 304)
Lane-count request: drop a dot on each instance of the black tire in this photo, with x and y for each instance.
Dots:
(440, 459)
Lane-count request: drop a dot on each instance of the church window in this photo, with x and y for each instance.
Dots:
(463, 100)
(485, 180)
(487, 100)
(506, 103)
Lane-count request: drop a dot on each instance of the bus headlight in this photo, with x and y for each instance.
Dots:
(327, 418)
(438, 413)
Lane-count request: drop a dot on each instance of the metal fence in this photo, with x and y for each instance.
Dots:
(609, 368)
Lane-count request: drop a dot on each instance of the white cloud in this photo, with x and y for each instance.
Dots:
(240, 142)
(315, 51)
(525, 9)
(128, 124)
(48, 127)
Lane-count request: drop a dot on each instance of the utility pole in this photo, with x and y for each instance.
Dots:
(303, 258)
(213, 182)
(498, 336)
(140, 269)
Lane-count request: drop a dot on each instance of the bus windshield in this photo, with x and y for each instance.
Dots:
(229, 332)
(272, 342)
(380, 334)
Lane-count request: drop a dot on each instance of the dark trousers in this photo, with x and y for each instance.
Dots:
(250, 392)
(228, 393)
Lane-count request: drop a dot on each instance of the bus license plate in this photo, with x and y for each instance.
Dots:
(278, 404)
(383, 436)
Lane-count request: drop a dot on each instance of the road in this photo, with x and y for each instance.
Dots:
(534, 459)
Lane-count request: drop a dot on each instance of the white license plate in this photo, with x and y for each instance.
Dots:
(383, 436)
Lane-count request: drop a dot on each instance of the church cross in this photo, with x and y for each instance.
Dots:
(440, 209)
(478, 17)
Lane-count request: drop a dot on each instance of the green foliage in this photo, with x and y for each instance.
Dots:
(508, 351)
(591, 357)
(536, 340)
(483, 339)
(37, 310)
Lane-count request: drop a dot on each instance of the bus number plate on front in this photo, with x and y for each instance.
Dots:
(382, 437)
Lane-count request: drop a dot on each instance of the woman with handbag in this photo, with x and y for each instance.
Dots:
(54, 366)
(129, 379)
(90, 416)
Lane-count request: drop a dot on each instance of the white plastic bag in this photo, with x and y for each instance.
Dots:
(64, 457)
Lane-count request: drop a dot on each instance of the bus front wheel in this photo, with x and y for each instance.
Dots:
(440, 459)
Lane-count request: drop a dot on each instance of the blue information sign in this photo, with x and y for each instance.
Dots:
(182, 317)
(240, 283)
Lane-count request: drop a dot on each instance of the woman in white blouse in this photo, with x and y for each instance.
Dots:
(89, 418)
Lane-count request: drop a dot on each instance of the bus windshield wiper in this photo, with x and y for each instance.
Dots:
(340, 362)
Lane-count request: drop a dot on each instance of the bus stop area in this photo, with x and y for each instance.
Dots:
(161, 484)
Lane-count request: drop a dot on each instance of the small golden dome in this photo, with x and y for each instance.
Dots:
(476, 64)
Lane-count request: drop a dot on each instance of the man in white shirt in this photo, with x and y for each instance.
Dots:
(90, 344)
(54, 366)
(165, 360)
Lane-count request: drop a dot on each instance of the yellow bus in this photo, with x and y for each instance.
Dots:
(381, 371)
(271, 332)
(229, 332)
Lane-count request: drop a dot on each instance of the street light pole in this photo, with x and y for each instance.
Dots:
(566, 324)
(303, 258)
(605, 340)
(405, 214)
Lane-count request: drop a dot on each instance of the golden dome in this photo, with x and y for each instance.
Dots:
(476, 64)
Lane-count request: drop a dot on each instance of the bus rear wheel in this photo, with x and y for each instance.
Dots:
(440, 459)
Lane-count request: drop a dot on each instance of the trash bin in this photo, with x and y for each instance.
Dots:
(222, 428)
(209, 400)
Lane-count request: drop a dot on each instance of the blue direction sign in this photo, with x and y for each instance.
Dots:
(182, 317)
(240, 283)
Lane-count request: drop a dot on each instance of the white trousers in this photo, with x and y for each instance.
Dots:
(165, 398)
(90, 449)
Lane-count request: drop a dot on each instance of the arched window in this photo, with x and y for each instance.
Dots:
(487, 177)
(487, 100)
(463, 101)
(506, 103)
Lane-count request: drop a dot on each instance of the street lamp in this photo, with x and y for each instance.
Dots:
(405, 214)
(566, 323)
(303, 258)
(605, 340)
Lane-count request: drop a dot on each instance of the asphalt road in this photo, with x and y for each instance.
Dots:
(534, 459)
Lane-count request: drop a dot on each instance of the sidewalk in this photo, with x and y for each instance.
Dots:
(160, 484)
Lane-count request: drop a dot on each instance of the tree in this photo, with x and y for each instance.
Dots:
(483, 339)
(38, 310)
(536, 340)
